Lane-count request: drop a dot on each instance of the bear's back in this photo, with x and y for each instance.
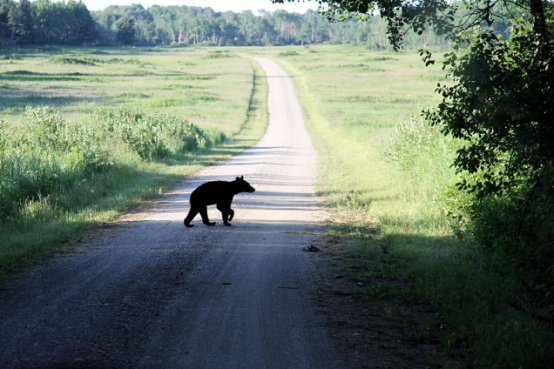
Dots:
(213, 192)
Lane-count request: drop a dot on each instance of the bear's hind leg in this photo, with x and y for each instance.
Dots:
(204, 215)
(192, 213)
(231, 214)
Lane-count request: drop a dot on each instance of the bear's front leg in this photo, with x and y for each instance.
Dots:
(226, 213)
(204, 215)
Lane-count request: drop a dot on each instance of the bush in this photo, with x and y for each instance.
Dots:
(422, 150)
(153, 135)
(502, 106)
(288, 53)
(515, 231)
(45, 157)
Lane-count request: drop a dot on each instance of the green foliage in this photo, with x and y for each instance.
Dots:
(503, 109)
(421, 150)
(153, 135)
(220, 56)
(186, 25)
(45, 156)
(45, 22)
(288, 53)
(74, 59)
(89, 60)
(400, 16)
(11, 57)
(126, 33)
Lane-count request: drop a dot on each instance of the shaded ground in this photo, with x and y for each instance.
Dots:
(375, 316)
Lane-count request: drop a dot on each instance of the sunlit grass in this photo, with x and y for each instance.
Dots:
(351, 112)
(76, 89)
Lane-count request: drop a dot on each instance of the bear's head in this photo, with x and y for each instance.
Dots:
(243, 185)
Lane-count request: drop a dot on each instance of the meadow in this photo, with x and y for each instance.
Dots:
(137, 120)
(87, 133)
(385, 175)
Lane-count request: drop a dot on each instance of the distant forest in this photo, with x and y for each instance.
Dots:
(71, 23)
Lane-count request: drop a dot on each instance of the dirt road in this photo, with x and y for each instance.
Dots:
(148, 292)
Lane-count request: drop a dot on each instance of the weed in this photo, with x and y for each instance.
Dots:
(380, 58)
(378, 290)
(288, 53)
(220, 56)
(74, 59)
(196, 77)
(11, 57)
(410, 293)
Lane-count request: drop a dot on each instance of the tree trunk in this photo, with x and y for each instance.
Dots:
(539, 20)
(540, 28)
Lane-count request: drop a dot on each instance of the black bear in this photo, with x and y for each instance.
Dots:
(216, 192)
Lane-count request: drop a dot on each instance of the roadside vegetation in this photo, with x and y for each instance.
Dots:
(85, 134)
(386, 175)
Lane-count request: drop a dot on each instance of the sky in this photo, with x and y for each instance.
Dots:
(218, 5)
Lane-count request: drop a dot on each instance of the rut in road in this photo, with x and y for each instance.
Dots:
(151, 293)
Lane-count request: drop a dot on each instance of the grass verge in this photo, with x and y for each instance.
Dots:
(386, 212)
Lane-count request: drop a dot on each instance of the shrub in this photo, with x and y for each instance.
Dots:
(421, 149)
(74, 59)
(288, 53)
(153, 135)
(46, 161)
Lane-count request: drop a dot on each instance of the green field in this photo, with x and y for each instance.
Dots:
(210, 87)
(88, 133)
(384, 173)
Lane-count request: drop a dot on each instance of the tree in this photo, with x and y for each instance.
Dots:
(19, 18)
(45, 21)
(126, 33)
(183, 24)
(85, 25)
(5, 6)
(143, 22)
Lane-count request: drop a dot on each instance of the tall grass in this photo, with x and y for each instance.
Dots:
(48, 160)
(387, 176)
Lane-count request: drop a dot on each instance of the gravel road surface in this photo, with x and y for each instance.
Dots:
(146, 292)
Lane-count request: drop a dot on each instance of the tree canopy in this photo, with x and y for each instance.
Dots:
(44, 21)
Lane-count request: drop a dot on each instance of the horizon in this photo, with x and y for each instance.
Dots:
(236, 6)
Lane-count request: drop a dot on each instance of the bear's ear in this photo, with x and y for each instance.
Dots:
(238, 179)
(242, 178)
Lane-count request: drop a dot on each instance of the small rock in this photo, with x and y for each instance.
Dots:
(312, 248)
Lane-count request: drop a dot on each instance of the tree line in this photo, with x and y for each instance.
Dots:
(47, 22)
